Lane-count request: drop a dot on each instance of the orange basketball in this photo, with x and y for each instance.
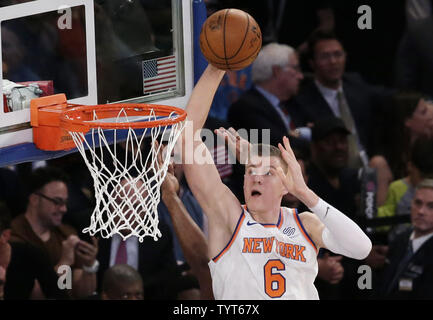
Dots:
(230, 39)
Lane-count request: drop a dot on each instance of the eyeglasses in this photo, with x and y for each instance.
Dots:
(57, 201)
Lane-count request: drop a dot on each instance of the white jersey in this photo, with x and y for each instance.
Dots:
(266, 261)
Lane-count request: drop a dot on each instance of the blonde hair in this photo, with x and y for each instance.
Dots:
(267, 150)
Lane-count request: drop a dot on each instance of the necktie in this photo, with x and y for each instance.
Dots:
(122, 255)
(401, 267)
(346, 116)
(284, 108)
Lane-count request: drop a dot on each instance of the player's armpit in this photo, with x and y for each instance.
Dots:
(314, 227)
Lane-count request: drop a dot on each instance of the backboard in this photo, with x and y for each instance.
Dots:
(95, 52)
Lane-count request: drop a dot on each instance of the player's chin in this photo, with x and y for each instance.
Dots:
(256, 203)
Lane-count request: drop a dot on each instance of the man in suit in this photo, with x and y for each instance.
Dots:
(276, 76)
(333, 92)
(409, 273)
(154, 261)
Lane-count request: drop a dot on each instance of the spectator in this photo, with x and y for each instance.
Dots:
(330, 177)
(409, 273)
(276, 75)
(41, 226)
(336, 93)
(24, 264)
(410, 116)
(122, 282)
(401, 191)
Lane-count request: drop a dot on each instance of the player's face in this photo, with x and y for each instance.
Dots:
(51, 205)
(329, 61)
(263, 188)
(422, 211)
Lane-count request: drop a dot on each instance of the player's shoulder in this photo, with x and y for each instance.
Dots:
(309, 220)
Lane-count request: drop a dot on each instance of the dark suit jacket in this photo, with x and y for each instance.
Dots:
(253, 111)
(419, 270)
(156, 265)
(365, 102)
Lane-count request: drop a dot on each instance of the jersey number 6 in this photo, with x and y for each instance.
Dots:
(275, 283)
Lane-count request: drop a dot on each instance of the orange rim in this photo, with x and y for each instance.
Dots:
(80, 118)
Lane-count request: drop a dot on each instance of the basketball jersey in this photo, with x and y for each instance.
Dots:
(266, 261)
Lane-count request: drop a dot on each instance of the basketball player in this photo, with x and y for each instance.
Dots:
(261, 250)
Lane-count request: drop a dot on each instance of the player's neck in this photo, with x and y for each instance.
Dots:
(266, 217)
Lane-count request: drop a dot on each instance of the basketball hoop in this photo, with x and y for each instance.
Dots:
(127, 183)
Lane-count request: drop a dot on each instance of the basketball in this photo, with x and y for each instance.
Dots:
(230, 39)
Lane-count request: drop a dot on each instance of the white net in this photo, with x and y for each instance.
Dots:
(127, 177)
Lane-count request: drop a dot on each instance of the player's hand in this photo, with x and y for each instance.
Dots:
(293, 179)
(236, 144)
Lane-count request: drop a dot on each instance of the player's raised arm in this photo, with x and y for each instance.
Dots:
(335, 231)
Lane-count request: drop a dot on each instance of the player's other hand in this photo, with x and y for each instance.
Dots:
(237, 145)
(292, 179)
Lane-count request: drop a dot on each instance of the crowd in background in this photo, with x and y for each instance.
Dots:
(356, 105)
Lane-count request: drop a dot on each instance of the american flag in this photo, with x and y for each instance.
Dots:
(159, 74)
(221, 160)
